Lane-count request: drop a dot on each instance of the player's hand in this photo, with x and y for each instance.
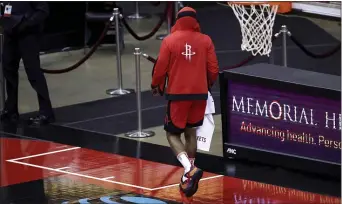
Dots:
(155, 91)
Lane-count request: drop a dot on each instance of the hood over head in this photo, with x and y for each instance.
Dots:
(186, 20)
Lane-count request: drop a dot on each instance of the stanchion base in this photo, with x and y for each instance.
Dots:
(138, 16)
(142, 134)
(119, 92)
(161, 37)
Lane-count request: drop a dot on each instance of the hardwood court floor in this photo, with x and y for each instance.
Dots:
(119, 170)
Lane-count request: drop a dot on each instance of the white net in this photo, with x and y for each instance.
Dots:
(256, 22)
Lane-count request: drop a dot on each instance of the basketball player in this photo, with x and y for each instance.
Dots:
(188, 62)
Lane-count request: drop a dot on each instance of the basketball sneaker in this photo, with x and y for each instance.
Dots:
(190, 185)
(185, 200)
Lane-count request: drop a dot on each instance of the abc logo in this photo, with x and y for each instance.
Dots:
(231, 151)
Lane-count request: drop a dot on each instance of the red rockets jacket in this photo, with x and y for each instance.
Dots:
(187, 61)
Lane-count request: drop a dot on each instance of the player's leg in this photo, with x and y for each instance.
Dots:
(191, 143)
(175, 122)
(195, 119)
(190, 148)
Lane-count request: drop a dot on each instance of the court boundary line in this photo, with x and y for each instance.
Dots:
(43, 154)
(66, 167)
(80, 175)
(109, 177)
(106, 179)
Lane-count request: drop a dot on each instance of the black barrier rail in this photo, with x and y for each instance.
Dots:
(149, 58)
(85, 58)
(154, 30)
(103, 34)
(162, 19)
(243, 62)
(285, 33)
(153, 60)
(311, 54)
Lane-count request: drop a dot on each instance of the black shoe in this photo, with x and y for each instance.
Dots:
(41, 120)
(8, 117)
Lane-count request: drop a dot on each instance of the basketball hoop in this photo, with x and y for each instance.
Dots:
(256, 21)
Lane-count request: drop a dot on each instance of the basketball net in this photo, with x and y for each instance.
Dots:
(256, 22)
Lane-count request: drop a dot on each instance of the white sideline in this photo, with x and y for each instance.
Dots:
(46, 153)
(66, 167)
(79, 175)
(106, 179)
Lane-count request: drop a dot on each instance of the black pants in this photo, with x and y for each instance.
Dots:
(25, 47)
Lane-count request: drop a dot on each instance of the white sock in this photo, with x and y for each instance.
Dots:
(184, 160)
(184, 178)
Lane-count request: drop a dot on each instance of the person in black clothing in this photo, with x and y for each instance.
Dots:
(22, 24)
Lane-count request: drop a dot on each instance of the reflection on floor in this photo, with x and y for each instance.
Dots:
(36, 171)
